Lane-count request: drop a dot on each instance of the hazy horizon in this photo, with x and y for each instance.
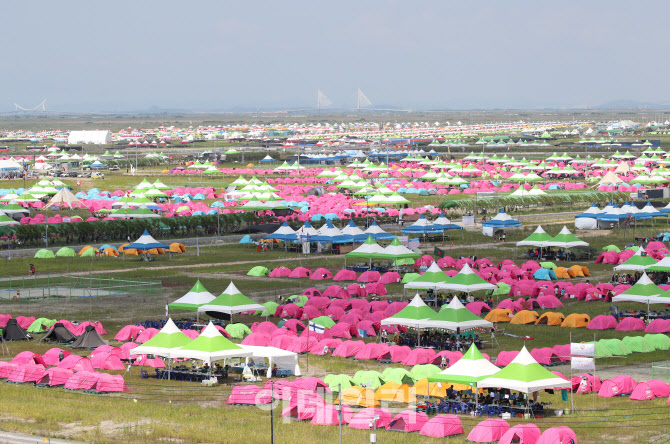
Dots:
(225, 56)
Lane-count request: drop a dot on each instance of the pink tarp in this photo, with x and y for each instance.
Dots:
(441, 426)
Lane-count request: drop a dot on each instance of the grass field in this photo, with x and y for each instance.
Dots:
(161, 411)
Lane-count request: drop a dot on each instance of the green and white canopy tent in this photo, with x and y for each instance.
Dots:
(209, 347)
(565, 239)
(165, 340)
(525, 375)
(396, 250)
(415, 311)
(467, 281)
(644, 290)
(640, 261)
(369, 249)
(432, 278)
(197, 296)
(469, 370)
(6, 220)
(539, 238)
(455, 316)
(231, 301)
(662, 265)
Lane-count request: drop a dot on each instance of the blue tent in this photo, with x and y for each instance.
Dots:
(502, 220)
(247, 240)
(283, 233)
(422, 226)
(146, 242)
(544, 275)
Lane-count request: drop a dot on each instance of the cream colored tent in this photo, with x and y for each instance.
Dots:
(608, 179)
(64, 198)
(623, 168)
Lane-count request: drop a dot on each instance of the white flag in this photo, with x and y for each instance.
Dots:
(166, 309)
(582, 349)
(579, 363)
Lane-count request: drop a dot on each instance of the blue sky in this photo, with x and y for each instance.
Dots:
(216, 55)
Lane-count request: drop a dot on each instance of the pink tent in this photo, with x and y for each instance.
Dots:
(394, 307)
(335, 291)
(280, 272)
(303, 407)
(310, 312)
(630, 324)
(441, 426)
(451, 357)
(545, 356)
(300, 272)
(408, 421)
(25, 321)
(658, 326)
(146, 335)
(144, 361)
(368, 327)
(489, 430)
(328, 415)
(376, 288)
(321, 274)
(249, 395)
(505, 357)
(55, 376)
(318, 302)
(325, 346)
(521, 434)
(82, 380)
(661, 389)
(28, 357)
(371, 350)
(602, 322)
(265, 327)
(374, 306)
(27, 373)
(619, 385)
(289, 311)
(343, 330)
(106, 361)
(361, 420)
(128, 333)
(562, 351)
(51, 355)
(310, 384)
(110, 383)
(396, 353)
(478, 307)
(311, 292)
(345, 275)
(549, 302)
(585, 383)
(642, 392)
(257, 338)
(76, 363)
(391, 277)
(302, 344)
(424, 261)
(6, 369)
(553, 435)
(419, 356)
(348, 349)
(446, 262)
(294, 325)
(4, 318)
(283, 342)
(369, 276)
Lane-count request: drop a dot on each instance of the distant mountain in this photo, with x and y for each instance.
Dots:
(633, 104)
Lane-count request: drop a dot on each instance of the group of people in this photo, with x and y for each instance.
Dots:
(549, 254)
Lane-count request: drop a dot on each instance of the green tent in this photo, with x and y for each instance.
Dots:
(41, 325)
(44, 254)
(409, 277)
(612, 248)
(470, 369)
(421, 371)
(197, 296)
(165, 340)
(406, 261)
(229, 302)
(299, 299)
(258, 271)
(539, 238)
(210, 346)
(90, 252)
(238, 331)
(602, 351)
(433, 278)
(399, 375)
(369, 379)
(453, 317)
(323, 321)
(525, 375)
(638, 344)
(270, 309)
(503, 288)
(616, 346)
(658, 340)
(336, 382)
(548, 265)
(414, 312)
(66, 252)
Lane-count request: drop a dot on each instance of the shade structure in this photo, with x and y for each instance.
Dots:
(410, 316)
(329, 233)
(168, 338)
(210, 346)
(146, 242)
(283, 233)
(454, 316)
(445, 224)
(377, 233)
(502, 220)
(422, 226)
(6, 221)
(644, 290)
(467, 281)
(539, 238)
(63, 198)
(134, 213)
(662, 265)
(433, 278)
(197, 296)
(356, 233)
(470, 369)
(230, 301)
(640, 261)
(565, 239)
(368, 249)
(396, 250)
(525, 375)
